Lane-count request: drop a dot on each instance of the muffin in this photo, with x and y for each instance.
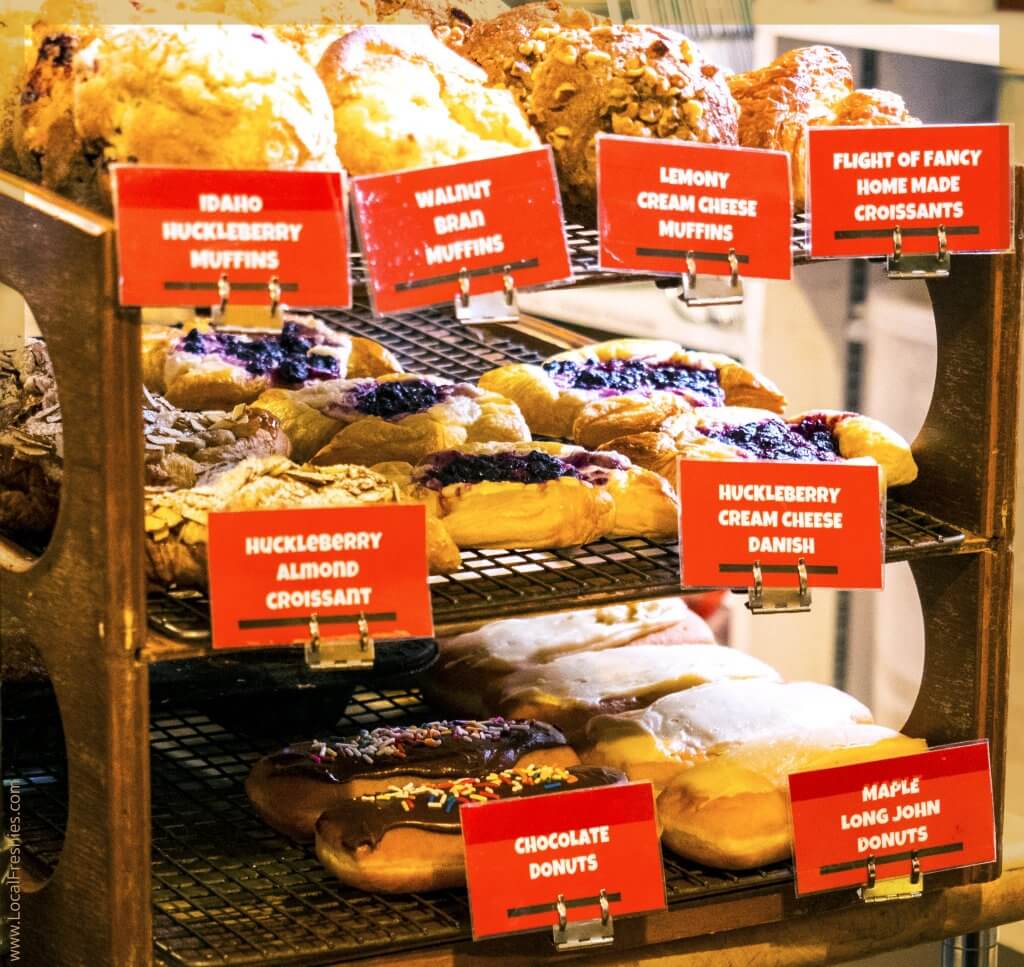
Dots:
(402, 99)
(577, 76)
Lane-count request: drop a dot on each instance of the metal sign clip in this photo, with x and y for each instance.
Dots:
(342, 654)
(900, 266)
(712, 290)
(892, 887)
(599, 932)
(762, 600)
(487, 307)
(225, 314)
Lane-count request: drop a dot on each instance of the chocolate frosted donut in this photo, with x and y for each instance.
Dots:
(291, 788)
(406, 838)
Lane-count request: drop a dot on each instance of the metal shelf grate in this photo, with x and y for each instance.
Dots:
(227, 890)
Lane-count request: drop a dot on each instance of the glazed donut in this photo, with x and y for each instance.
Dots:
(406, 838)
(659, 377)
(291, 788)
(731, 811)
(473, 663)
(679, 730)
(569, 691)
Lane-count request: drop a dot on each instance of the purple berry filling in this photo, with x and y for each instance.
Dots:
(453, 467)
(284, 358)
(400, 397)
(617, 376)
(534, 466)
(809, 440)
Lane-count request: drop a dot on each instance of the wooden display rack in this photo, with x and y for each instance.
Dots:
(84, 601)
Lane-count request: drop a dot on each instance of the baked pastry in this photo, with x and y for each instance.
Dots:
(575, 394)
(402, 99)
(180, 447)
(473, 664)
(738, 433)
(226, 96)
(291, 788)
(407, 839)
(684, 728)
(183, 447)
(578, 76)
(732, 810)
(203, 370)
(394, 417)
(44, 140)
(175, 520)
(808, 85)
(537, 495)
(569, 691)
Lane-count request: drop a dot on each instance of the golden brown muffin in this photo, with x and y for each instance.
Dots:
(506, 46)
(870, 106)
(577, 77)
(205, 96)
(403, 100)
(809, 85)
(48, 147)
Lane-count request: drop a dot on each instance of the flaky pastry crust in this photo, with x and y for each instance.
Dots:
(326, 425)
(402, 99)
(175, 520)
(590, 417)
(608, 498)
(206, 381)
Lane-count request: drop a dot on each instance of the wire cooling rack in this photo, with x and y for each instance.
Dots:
(505, 583)
(227, 890)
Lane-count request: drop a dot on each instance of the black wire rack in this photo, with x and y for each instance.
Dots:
(227, 890)
(497, 583)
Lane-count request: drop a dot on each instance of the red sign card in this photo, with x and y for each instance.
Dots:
(732, 514)
(863, 182)
(271, 570)
(180, 229)
(522, 853)
(418, 229)
(936, 805)
(660, 200)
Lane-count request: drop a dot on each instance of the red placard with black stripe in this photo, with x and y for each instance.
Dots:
(272, 570)
(180, 229)
(934, 808)
(831, 516)
(419, 230)
(864, 182)
(660, 202)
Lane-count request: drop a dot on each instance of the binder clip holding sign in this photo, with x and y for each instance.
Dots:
(569, 860)
(912, 194)
(881, 826)
(788, 526)
(248, 238)
(670, 205)
(900, 266)
(487, 308)
(333, 579)
(473, 231)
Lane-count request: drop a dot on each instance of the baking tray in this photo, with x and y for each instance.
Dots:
(227, 890)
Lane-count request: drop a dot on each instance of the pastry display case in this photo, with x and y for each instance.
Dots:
(138, 844)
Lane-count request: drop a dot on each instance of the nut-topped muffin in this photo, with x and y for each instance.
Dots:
(577, 76)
